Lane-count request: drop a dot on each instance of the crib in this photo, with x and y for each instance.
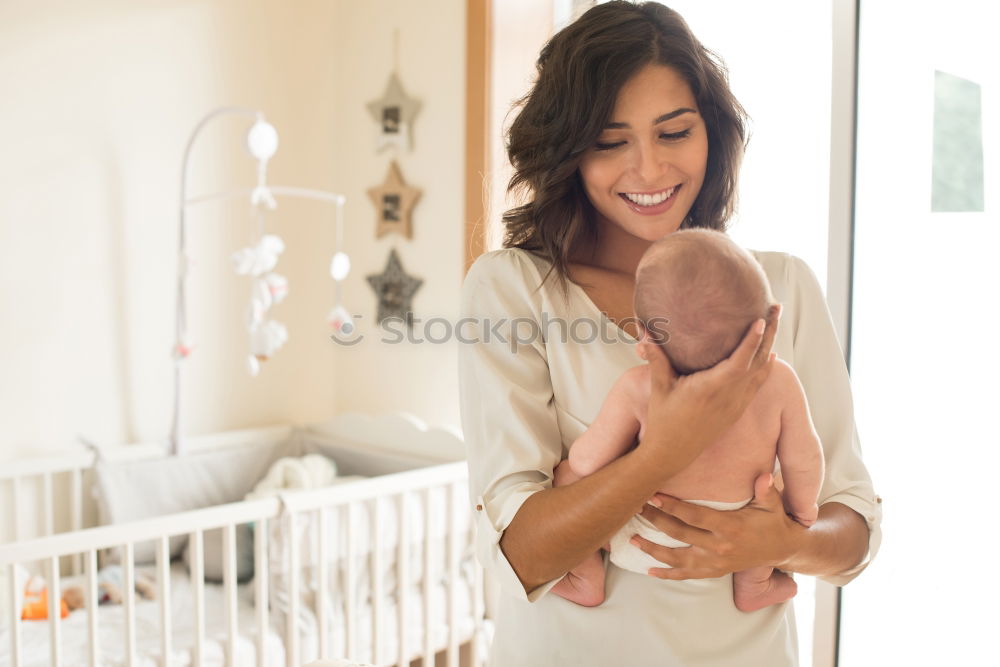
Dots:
(376, 567)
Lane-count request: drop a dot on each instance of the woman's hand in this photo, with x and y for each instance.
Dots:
(722, 541)
(686, 414)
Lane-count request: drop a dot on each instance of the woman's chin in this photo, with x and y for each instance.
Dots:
(653, 233)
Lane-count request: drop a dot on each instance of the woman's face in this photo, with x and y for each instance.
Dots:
(648, 165)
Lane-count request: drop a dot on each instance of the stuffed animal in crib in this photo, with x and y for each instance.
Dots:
(36, 601)
(111, 579)
(109, 591)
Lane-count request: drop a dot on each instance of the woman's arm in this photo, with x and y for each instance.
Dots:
(555, 529)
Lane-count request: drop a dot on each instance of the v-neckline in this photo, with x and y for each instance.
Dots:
(600, 313)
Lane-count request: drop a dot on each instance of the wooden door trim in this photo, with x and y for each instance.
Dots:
(477, 150)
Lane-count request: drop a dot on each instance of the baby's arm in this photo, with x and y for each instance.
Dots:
(615, 428)
(800, 452)
(608, 437)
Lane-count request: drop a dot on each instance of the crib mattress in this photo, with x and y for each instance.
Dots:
(111, 628)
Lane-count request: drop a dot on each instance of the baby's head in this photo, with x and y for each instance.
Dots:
(697, 293)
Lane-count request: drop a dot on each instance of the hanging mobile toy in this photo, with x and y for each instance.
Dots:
(339, 318)
(266, 289)
(257, 261)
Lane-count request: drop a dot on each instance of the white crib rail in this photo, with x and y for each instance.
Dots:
(27, 480)
(401, 487)
(92, 599)
(35, 485)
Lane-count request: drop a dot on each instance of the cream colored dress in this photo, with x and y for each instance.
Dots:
(525, 399)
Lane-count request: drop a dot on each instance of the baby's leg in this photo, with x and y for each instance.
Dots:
(760, 587)
(584, 584)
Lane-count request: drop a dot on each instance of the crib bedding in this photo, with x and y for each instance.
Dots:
(111, 626)
(111, 629)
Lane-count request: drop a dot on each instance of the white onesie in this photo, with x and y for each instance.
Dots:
(627, 556)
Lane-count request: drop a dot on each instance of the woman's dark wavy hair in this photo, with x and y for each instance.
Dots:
(580, 71)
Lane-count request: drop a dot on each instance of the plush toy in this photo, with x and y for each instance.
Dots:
(260, 258)
(111, 579)
(36, 606)
(340, 320)
(266, 338)
(268, 288)
(109, 591)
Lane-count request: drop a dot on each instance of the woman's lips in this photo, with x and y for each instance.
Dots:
(655, 209)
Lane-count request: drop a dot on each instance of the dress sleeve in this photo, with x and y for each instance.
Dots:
(819, 363)
(508, 416)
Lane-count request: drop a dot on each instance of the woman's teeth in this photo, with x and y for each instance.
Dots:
(649, 200)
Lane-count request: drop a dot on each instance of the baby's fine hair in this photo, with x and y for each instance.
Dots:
(697, 293)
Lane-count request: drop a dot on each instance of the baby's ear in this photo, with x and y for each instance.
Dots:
(643, 339)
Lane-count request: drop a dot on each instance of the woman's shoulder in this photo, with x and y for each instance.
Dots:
(512, 268)
(788, 274)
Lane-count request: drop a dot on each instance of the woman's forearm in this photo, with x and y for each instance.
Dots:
(835, 543)
(555, 529)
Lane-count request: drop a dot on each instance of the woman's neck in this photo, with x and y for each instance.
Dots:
(614, 250)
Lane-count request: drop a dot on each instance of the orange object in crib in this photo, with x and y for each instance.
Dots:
(36, 606)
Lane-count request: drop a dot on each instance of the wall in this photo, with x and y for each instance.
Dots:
(98, 104)
(419, 378)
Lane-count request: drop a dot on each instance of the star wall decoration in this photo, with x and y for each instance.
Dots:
(394, 201)
(394, 289)
(394, 112)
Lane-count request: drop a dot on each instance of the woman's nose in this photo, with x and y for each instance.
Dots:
(649, 164)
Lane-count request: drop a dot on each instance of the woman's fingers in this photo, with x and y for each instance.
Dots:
(755, 348)
(682, 562)
(662, 376)
(765, 495)
(763, 353)
(674, 527)
(741, 358)
(695, 516)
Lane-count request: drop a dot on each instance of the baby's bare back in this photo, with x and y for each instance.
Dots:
(725, 471)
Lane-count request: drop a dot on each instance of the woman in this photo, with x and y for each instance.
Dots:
(631, 133)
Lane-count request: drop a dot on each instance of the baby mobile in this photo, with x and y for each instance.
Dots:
(267, 288)
(393, 199)
(257, 261)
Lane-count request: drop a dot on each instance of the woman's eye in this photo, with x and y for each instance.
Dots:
(606, 147)
(674, 136)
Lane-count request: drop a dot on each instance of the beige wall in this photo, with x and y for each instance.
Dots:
(99, 99)
(421, 379)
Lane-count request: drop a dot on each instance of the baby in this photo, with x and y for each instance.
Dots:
(697, 293)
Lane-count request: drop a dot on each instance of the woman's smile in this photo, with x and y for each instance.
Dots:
(651, 203)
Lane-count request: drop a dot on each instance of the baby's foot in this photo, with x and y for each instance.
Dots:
(583, 591)
(754, 595)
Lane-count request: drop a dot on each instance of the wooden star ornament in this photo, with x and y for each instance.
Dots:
(394, 112)
(394, 289)
(394, 201)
